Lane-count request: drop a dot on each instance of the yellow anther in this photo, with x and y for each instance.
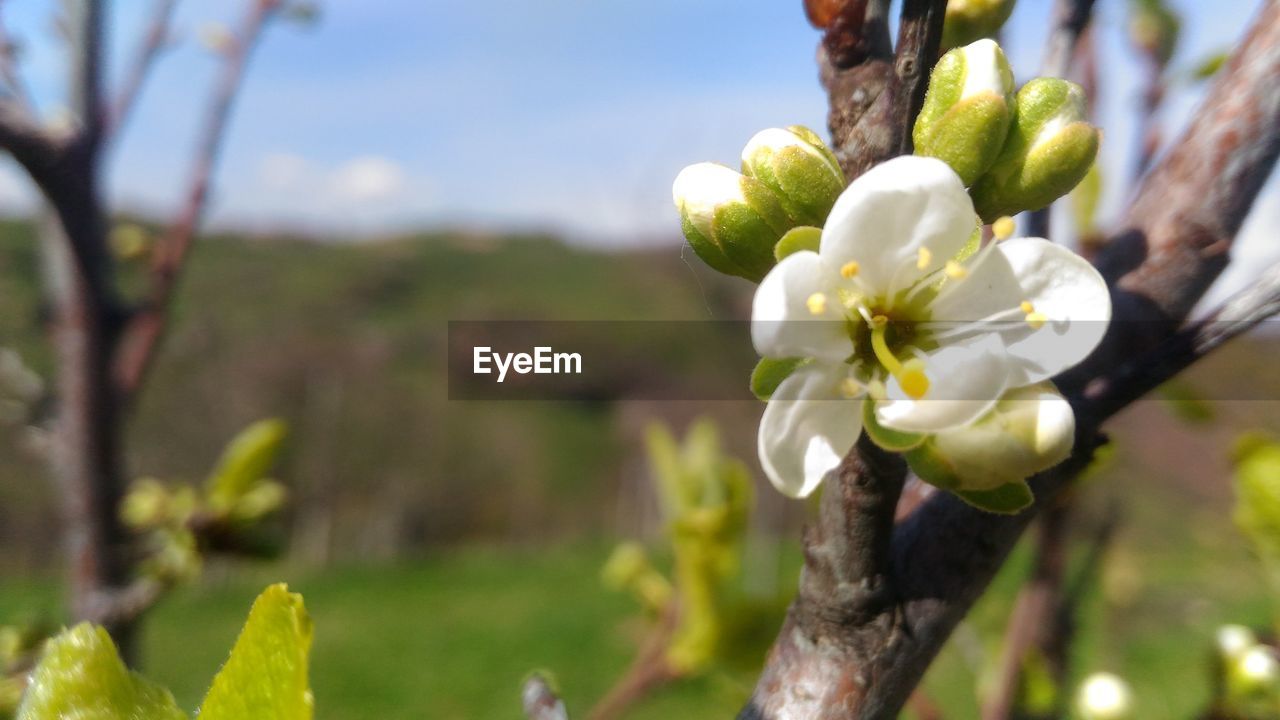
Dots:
(923, 258)
(913, 380)
(850, 388)
(817, 303)
(1037, 320)
(1003, 227)
(876, 390)
(850, 270)
(955, 270)
(1027, 307)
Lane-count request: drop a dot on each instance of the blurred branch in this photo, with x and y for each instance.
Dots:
(1179, 229)
(117, 606)
(1070, 18)
(540, 701)
(153, 41)
(147, 326)
(1112, 391)
(648, 671)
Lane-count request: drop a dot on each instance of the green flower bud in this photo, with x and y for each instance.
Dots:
(968, 109)
(1030, 429)
(799, 169)
(1049, 151)
(969, 20)
(732, 221)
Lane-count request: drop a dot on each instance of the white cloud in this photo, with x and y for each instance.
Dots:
(365, 179)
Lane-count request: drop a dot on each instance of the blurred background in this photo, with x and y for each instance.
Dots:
(395, 165)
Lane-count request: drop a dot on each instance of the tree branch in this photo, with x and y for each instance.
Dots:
(1129, 381)
(874, 103)
(1178, 231)
(155, 39)
(845, 618)
(146, 327)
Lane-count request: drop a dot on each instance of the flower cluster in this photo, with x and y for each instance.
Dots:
(935, 348)
(880, 309)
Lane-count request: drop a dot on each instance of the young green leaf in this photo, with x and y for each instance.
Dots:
(246, 461)
(82, 677)
(266, 676)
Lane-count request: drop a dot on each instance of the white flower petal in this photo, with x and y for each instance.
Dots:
(965, 381)
(807, 427)
(888, 214)
(1068, 291)
(783, 323)
(989, 287)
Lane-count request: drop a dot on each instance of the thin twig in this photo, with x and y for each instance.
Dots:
(647, 672)
(146, 328)
(153, 41)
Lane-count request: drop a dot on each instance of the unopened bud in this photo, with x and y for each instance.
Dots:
(732, 221)
(1050, 149)
(1030, 429)
(1254, 676)
(1104, 696)
(969, 20)
(796, 165)
(968, 109)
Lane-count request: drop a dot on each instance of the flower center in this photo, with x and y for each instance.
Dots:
(910, 374)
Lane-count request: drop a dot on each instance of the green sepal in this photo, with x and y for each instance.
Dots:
(805, 237)
(769, 374)
(969, 136)
(931, 467)
(1009, 499)
(887, 438)
(708, 251)
(748, 231)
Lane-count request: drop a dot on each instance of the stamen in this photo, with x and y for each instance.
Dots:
(849, 270)
(956, 271)
(1035, 319)
(1003, 227)
(911, 374)
(850, 388)
(876, 390)
(817, 303)
(923, 258)
(913, 380)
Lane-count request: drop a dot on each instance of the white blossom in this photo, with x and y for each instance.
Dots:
(889, 308)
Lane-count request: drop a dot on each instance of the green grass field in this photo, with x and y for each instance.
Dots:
(451, 637)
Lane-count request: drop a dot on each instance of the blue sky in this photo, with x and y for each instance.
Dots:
(570, 115)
